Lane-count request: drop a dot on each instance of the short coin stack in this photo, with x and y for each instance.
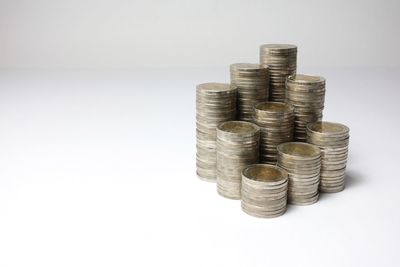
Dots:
(281, 60)
(303, 162)
(333, 140)
(237, 147)
(215, 103)
(252, 81)
(264, 190)
(275, 120)
(306, 93)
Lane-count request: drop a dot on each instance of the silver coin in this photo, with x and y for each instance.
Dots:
(333, 140)
(237, 147)
(215, 103)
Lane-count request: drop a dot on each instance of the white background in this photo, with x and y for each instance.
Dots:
(168, 33)
(98, 165)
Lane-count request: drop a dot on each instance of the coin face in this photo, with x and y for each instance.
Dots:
(214, 87)
(299, 149)
(279, 47)
(238, 127)
(265, 173)
(305, 79)
(328, 128)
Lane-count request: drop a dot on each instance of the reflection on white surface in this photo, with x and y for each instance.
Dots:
(98, 169)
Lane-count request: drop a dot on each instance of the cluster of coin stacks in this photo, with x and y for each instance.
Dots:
(333, 140)
(215, 103)
(237, 147)
(252, 82)
(264, 190)
(281, 60)
(306, 93)
(302, 161)
(275, 120)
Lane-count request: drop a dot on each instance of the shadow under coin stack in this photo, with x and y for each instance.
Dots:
(306, 94)
(333, 140)
(264, 190)
(281, 60)
(237, 147)
(215, 103)
(302, 161)
(252, 82)
(276, 124)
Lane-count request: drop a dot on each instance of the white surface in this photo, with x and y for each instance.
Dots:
(137, 33)
(98, 169)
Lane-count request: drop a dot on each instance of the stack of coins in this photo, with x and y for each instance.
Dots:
(215, 103)
(281, 60)
(303, 162)
(252, 83)
(264, 190)
(333, 140)
(276, 123)
(237, 147)
(306, 93)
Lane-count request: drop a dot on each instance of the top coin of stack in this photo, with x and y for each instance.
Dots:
(333, 140)
(281, 60)
(275, 120)
(306, 93)
(252, 83)
(215, 103)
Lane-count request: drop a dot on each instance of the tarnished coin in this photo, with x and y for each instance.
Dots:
(237, 147)
(306, 93)
(252, 82)
(281, 60)
(215, 103)
(302, 162)
(275, 120)
(264, 190)
(333, 141)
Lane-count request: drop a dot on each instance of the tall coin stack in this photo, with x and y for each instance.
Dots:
(281, 60)
(264, 190)
(215, 103)
(252, 81)
(306, 93)
(303, 162)
(333, 140)
(237, 147)
(276, 123)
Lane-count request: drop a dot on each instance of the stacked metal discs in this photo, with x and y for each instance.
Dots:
(276, 123)
(306, 93)
(215, 103)
(333, 140)
(237, 147)
(252, 81)
(303, 162)
(264, 190)
(281, 60)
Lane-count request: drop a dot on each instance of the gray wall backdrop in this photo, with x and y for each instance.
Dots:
(161, 33)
